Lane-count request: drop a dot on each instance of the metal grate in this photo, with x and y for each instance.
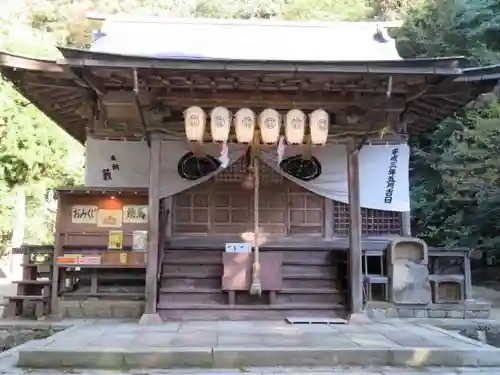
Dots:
(237, 171)
(374, 222)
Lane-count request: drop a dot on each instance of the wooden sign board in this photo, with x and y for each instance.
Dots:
(135, 214)
(67, 259)
(107, 218)
(84, 214)
(89, 260)
(115, 240)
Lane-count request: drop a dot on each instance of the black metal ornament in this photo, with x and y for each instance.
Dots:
(191, 167)
(301, 168)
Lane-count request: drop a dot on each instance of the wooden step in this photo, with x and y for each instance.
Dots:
(35, 264)
(308, 291)
(235, 315)
(68, 295)
(191, 275)
(191, 283)
(28, 298)
(193, 297)
(301, 306)
(298, 276)
(190, 290)
(32, 282)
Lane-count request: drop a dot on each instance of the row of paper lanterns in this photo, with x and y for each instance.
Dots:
(245, 122)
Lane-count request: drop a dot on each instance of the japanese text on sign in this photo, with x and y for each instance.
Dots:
(135, 214)
(85, 214)
(391, 178)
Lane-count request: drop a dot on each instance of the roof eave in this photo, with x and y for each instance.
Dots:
(435, 66)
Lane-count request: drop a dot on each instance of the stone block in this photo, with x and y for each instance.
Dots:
(392, 312)
(406, 312)
(421, 313)
(455, 314)
(95, 308)
(482, 314)
(169, 358)
(298, 356)
(103, 359)
(377, 313)
(436, 313)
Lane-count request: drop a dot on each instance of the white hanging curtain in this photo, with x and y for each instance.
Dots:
(125, 164)
(171, 182)
(384, 179)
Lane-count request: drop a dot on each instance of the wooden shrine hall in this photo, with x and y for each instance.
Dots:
(250, 179)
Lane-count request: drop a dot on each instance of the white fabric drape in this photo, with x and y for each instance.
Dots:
(131, 164)
(383, 186)
(384, 180)
(171, 151)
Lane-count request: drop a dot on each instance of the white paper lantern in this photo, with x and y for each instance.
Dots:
(270, 125)
(194, 124)
(319, 121)
(220, 124)
(244, 124)
(295, 124)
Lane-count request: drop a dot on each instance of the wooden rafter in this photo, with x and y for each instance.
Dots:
(71, 94)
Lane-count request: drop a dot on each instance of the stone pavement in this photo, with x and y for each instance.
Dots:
(246, 344)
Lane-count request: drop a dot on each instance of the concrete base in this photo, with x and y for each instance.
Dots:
(358, 318)
(220, 358)
(248, 344)
(150, 319)
(459, 310)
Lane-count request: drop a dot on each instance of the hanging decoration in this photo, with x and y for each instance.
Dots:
(220, 124)
(193, 167)
(303, 168)
(280, 151)
(194, 123)
(319, 122)
(295, 126)
(244, 125)
(270, 126)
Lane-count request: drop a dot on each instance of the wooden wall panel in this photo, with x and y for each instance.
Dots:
(285, 208)
(76, 234)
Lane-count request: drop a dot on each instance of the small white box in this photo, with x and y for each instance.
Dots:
(238, 247)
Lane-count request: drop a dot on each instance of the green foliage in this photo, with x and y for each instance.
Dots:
(34, 152)
(455, 177)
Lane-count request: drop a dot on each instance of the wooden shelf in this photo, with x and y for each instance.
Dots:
(138, 266)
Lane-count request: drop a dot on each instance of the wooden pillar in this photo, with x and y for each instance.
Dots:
(153, 232)
(355, 245)
(54, 290)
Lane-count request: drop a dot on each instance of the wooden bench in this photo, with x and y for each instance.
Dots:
(34, 289)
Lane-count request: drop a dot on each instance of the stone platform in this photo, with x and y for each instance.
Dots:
(249, 344)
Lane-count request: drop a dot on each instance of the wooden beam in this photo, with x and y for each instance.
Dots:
(26, 63)
(355, 245)
(237, 99)
(153, 226)
(57, 83)
(93, 82)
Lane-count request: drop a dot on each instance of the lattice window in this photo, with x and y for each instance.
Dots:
(237, 171)
(374, 222)
(306, 211)
(191, 211)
